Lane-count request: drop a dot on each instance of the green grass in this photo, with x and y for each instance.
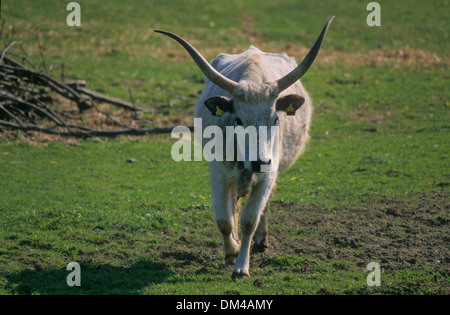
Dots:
(116, 48)
(147, 227)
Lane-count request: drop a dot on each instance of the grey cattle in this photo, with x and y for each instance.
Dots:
(252, 89)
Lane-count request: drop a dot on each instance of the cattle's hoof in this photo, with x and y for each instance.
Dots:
(230, 259)
(239, 274)
(260, 248)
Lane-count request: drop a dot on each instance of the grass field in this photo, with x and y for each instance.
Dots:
(373, 185)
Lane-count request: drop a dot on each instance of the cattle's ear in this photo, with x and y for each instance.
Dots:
(290, 103)
(219, 105)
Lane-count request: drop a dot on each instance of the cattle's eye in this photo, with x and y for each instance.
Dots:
(238, 121)
(275, 122)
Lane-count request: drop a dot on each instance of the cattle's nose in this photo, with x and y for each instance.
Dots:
(256, 165)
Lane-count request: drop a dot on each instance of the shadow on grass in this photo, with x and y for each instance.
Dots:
(95, 279)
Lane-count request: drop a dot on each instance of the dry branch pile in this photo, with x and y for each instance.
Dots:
(31, 100)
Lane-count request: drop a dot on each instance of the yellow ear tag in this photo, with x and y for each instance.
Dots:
(290, 110)
(219, 111)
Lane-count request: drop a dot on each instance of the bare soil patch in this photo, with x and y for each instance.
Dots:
(398, 235)
(394, 233)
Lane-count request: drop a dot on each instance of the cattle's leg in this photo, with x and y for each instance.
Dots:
(236, 213)
(230, 258)
(249, 221)
(223, 203)
(261, 240)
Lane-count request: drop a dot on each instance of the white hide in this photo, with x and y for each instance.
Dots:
(254, 101)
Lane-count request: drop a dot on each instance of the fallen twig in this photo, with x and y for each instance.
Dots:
(6, 49)
(89, 132)
(102, 98)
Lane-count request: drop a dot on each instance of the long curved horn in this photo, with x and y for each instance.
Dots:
(211, 73)
(301, 69)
